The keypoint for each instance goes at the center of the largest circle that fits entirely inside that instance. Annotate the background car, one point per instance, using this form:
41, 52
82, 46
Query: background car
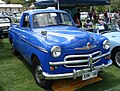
5, 23
112, 32
83, 15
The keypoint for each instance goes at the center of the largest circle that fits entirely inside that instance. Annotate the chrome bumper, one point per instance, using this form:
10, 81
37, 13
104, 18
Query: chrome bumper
75, 73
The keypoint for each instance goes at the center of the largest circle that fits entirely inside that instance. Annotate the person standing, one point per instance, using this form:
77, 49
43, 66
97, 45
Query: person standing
76, 19
94, 17
106, 18
88, 24
90, 14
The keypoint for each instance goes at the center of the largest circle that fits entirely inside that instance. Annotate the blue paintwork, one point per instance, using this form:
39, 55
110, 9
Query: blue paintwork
27, 41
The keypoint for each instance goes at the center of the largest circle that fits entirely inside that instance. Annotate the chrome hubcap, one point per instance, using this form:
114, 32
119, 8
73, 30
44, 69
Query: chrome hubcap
38, 73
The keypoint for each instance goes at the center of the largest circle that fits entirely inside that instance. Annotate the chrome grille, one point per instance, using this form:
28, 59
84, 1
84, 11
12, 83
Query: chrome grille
83, 59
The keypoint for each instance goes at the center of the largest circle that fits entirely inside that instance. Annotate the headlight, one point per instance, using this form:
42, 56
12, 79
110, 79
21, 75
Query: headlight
106, 44
55, 51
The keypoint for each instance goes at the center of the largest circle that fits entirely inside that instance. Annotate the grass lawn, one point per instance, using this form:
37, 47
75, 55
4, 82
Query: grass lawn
15, 75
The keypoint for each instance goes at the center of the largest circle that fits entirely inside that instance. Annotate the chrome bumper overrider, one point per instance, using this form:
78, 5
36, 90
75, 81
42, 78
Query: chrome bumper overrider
75, 73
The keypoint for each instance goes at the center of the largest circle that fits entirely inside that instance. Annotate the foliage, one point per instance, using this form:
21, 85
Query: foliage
23, 2
27, 2
100, 9
115, 5
12, 1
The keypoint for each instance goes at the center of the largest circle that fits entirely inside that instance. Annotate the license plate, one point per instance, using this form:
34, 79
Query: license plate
89, 75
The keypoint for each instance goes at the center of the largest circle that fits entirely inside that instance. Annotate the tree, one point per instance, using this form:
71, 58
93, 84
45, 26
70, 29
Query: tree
100, 9
7, 1
115, 5
27, 3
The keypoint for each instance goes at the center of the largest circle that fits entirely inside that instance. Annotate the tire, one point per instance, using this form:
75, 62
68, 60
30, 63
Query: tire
37, 73
14, 51
116, 57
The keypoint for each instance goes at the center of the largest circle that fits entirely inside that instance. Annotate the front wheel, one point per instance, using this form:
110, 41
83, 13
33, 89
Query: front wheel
37, 73
116, 58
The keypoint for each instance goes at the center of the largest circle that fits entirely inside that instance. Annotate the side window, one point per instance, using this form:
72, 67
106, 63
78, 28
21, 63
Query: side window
66, 19
26, 22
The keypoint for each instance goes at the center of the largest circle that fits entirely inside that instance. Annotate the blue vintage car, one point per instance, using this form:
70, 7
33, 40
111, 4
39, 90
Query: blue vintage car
56, 48
112, 32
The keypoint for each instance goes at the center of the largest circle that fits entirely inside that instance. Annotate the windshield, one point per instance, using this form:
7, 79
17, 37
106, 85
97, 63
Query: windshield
108, 28
51, 19
113, 27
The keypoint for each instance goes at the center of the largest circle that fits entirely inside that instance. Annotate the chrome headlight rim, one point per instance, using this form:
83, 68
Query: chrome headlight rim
106, 44
56, 51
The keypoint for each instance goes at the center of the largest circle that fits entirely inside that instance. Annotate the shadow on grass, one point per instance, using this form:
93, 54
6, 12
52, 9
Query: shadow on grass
25, 62
28, 66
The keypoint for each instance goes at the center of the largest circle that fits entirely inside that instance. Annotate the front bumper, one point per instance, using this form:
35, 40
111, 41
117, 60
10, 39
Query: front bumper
75, 73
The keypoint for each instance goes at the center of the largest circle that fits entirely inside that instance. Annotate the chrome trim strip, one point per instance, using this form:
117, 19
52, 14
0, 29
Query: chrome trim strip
95, 58
78, 61
67, 62
85, 48
75, 73
70, 56
38, 47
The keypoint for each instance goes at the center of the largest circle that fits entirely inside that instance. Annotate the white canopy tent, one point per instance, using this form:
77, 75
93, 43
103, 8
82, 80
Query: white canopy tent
10, 7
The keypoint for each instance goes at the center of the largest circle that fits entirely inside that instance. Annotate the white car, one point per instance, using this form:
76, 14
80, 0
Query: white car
5, 23
83, 15
112, 32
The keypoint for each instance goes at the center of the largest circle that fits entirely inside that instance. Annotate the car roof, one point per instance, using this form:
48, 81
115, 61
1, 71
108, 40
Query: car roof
42, 10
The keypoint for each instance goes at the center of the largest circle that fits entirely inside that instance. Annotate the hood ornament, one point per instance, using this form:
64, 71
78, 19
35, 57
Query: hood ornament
44, 34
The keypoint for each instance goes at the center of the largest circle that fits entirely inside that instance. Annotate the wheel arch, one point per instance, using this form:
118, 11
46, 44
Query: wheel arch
32, 57
114, 50
10, 39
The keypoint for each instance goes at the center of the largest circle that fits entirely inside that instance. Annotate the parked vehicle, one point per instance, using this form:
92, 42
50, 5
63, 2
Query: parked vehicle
5, 23
56, 48
11, 15
17, 16
83, 15
112, 32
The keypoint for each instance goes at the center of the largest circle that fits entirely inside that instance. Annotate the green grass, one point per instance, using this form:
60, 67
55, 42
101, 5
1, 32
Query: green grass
16, 75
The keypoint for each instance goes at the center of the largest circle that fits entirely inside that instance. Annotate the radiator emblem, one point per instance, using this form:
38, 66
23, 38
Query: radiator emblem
87, 47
